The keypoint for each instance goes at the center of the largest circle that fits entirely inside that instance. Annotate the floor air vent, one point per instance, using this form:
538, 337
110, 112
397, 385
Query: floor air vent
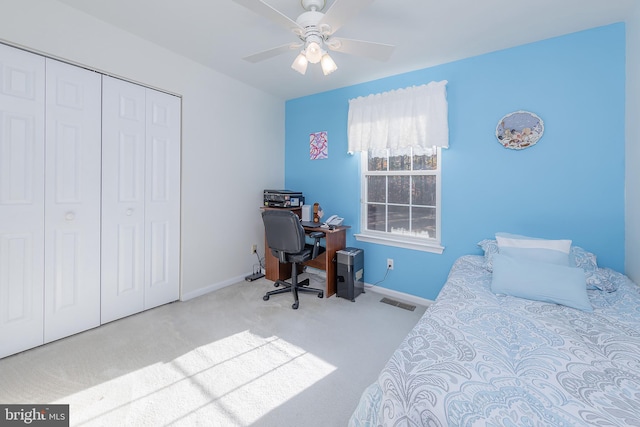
398, 304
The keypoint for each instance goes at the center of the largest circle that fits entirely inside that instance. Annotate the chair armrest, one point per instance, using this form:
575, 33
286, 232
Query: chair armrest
317, 235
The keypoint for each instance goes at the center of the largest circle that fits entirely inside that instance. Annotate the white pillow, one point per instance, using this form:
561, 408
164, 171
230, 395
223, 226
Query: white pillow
534, 249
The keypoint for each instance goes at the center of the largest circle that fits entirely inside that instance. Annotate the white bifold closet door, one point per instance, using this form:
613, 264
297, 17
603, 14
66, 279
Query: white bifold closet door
50, 117
140, 199
162, 199
72, 200
21, 200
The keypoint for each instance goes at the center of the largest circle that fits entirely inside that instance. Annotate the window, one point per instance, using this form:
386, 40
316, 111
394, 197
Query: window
400, 203
399, 135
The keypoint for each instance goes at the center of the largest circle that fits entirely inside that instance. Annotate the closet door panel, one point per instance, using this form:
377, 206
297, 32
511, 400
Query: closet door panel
123, 200
21, 200
162, 259
72, 200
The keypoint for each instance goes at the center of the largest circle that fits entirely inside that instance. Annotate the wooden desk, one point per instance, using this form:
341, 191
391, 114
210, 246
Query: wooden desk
334, 241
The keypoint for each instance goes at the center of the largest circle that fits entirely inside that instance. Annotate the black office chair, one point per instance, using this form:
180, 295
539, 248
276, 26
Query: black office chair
286, 239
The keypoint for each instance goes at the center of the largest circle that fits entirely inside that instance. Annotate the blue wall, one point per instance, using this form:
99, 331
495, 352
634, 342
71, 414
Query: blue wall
569, 185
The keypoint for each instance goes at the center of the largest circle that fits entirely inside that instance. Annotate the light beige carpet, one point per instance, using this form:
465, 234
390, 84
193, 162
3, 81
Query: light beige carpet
224, 359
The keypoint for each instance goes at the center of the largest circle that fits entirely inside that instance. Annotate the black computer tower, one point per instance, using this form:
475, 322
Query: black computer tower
349, 273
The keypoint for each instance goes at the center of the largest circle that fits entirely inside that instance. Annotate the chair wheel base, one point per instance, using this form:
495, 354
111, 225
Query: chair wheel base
266, 297
321, 295
295, 305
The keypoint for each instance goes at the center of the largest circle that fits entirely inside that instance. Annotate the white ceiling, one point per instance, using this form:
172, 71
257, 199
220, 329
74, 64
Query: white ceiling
219, 33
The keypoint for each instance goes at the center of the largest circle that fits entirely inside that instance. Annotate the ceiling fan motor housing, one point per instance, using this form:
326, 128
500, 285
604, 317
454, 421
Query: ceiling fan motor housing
309, 19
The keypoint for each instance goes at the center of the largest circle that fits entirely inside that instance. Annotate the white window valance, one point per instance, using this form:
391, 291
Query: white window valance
416, 116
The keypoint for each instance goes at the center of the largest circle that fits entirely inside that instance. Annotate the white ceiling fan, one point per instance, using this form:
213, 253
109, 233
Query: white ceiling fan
315, 30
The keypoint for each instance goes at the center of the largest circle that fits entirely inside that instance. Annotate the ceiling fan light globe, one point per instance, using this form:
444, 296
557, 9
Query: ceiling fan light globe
327, 64
300, 63
313, 52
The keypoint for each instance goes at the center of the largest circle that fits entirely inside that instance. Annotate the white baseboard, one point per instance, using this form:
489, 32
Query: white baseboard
211, 288
377, 289
398, 295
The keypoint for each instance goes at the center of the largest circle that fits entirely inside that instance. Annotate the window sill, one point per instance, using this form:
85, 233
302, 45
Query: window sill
401, 243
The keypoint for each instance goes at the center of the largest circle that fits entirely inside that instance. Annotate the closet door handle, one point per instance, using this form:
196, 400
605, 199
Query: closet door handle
129, 212
69, 216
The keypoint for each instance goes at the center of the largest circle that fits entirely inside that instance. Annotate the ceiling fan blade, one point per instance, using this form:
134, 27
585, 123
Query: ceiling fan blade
263, 9
341, 11
270, 53
377, 51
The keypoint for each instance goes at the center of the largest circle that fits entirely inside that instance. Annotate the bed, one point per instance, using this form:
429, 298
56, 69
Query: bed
481, 357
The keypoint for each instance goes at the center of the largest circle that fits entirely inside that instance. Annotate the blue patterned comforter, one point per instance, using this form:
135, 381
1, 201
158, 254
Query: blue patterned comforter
476, 358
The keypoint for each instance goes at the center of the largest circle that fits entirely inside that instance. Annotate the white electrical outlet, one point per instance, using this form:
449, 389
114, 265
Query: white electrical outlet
254, 248
389, 264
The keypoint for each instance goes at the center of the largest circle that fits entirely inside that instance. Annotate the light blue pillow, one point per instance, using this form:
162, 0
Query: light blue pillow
540, 281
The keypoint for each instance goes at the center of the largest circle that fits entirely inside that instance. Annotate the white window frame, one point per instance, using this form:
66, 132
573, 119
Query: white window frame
393, 239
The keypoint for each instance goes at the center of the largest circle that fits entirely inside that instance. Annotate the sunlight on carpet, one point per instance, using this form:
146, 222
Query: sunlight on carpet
234, 381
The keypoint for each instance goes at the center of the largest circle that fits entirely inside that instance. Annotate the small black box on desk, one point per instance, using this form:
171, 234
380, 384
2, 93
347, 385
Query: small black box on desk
349, 273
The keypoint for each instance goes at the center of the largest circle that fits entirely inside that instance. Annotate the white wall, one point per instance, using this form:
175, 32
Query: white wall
632, 154
232, 134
